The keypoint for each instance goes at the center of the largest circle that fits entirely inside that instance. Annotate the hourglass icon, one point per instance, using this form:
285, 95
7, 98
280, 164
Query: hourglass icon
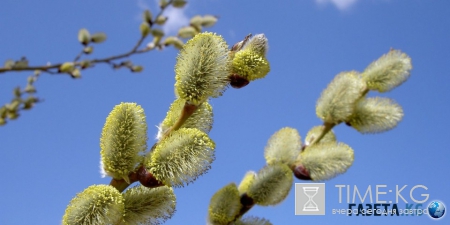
310, 204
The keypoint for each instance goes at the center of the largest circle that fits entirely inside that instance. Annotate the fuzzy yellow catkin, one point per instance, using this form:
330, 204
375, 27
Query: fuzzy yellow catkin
324, 161
283, 146
96, 205
374, 115
148, 205
224, 206
337, 101
315, 132
180, 158
271, 185
124, 137
388, 72
201, 119
258, 44
246, 182
202, 68
250, 65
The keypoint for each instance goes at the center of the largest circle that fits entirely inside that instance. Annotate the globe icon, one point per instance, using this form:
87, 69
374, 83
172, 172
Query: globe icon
436, 209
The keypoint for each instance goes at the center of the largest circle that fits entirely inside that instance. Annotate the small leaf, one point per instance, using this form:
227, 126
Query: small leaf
84, 36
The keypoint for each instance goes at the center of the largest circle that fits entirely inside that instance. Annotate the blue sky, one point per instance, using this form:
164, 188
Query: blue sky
52, 152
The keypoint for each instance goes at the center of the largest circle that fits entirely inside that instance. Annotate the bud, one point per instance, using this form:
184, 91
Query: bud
224, 206
258, 44
323, 161
75, 73
163, 3
30, 89
148, 205
136, 69
187, 32
96, 205
208, 21
161, 20
181, 157
178, 3
337, 101
388, 72
283, 147
271, 185
246, 182
85, 64
157, 33
84, 36
145, 29
202, 68
29, 102
124, 137
66, 67
98, 37
88, 50
250, 65
147, 16
196, 20
176, 42
9, 64
374, 115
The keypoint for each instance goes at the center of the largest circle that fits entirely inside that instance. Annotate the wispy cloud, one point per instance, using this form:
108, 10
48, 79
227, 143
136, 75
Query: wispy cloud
177, 18
340, 4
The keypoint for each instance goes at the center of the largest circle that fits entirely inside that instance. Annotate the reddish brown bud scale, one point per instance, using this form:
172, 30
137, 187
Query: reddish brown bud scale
237, 81
301, 173
147, 179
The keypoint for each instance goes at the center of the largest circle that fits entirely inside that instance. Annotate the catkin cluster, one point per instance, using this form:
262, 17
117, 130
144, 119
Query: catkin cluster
321, 157
183, 151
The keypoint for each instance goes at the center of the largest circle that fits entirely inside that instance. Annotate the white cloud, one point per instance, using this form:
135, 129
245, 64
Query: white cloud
177, 19
340, 4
